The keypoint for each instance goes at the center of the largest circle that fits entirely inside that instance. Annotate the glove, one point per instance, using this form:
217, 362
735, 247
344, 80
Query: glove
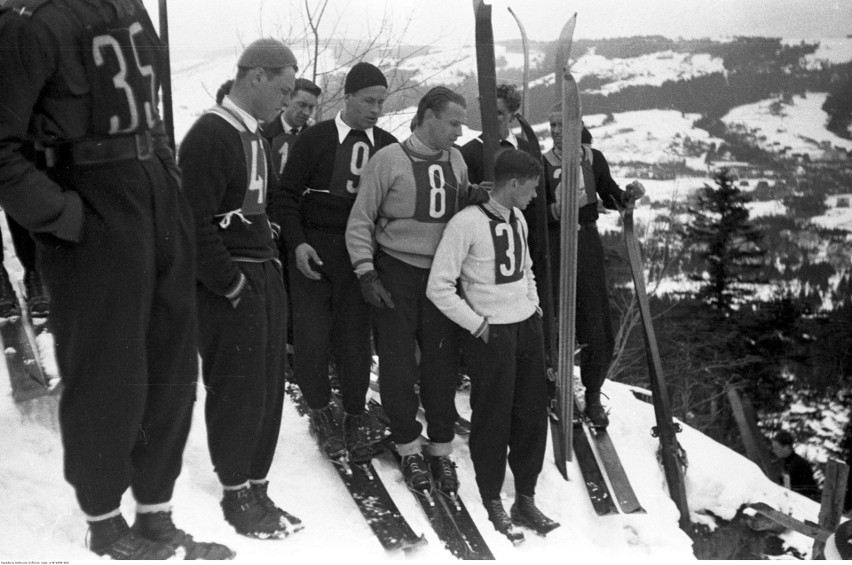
373, 291
634, 191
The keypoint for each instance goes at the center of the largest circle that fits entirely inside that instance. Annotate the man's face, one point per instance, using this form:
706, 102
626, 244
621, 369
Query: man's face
556, 129
523, 192
364, 107
445, 127
780, 451
273, 93
504, 118
302, 106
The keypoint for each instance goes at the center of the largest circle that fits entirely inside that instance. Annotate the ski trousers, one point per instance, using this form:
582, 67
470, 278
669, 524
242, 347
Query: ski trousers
508, 399
330, 321
124, 322
415, 321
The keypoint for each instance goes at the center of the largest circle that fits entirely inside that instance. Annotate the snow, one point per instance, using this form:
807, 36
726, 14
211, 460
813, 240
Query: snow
797, 127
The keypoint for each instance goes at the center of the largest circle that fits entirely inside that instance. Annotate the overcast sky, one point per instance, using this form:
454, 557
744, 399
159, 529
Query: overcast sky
220, 23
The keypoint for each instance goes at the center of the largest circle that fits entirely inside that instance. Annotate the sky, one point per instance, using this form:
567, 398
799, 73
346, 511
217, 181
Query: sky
210, 24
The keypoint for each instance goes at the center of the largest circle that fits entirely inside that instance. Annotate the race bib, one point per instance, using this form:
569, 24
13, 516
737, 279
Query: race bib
349, 162
437, 191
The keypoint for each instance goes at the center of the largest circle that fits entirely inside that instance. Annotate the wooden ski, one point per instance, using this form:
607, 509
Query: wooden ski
166, 78
525, 99
487, 80
569, 213
665, 428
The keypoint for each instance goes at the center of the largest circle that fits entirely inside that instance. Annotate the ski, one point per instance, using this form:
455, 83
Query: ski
786, 521
672, 453
525, 98
371, 496
593, 477
447, 514
22, 357
487, 82
571, 129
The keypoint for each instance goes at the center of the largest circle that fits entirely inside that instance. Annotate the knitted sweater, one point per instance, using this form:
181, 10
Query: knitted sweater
405, 219
488, 254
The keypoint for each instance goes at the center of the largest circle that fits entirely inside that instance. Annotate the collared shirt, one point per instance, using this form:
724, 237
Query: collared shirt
343, 129
288, 128
248, 120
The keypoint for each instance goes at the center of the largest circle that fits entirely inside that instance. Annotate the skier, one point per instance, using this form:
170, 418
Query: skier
796, 472
409, 191
330, 319
594, 321
485, 249
227, 171
508, 102
115, 248
282, 131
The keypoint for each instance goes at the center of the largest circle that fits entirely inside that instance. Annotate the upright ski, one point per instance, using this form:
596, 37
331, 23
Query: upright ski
487, 81
571, 128
371, 496
447, 515
665, 429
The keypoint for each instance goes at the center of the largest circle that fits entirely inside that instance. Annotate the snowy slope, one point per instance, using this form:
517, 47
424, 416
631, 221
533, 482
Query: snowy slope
41, 520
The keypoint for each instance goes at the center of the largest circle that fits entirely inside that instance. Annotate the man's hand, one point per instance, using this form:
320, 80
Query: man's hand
487, 185
373, 291
304, 255
634, 191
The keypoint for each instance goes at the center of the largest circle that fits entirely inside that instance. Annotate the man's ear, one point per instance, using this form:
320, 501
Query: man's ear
257, 75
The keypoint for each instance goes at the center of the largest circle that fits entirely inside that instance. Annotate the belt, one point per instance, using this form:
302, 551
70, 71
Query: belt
96, 152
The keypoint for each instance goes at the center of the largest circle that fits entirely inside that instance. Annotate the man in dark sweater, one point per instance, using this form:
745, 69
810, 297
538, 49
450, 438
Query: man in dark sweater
508, 102
796, 473
330, 318
282, 131
227, 168
594, 321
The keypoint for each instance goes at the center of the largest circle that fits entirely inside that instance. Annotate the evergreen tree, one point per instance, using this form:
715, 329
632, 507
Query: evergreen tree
729, 245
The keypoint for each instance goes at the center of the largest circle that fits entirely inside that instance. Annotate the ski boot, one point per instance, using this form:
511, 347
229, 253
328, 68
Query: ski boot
38, 301
325, 428
443, 471
356, 434
286, 519
502, 522
595, 412
8, 299
525, 513
416, 473
112, 539
159, 527
248, 516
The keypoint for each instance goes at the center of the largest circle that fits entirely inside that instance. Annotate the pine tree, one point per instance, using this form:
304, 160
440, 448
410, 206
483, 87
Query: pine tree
729, 245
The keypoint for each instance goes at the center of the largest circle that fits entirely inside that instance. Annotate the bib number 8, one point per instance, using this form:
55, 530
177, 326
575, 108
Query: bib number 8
437, 192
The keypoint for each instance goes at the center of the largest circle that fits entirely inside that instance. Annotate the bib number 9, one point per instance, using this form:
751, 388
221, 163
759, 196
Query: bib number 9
360, 156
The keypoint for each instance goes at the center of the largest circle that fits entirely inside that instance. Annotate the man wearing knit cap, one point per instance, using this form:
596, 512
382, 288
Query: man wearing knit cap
330, 319
242, 308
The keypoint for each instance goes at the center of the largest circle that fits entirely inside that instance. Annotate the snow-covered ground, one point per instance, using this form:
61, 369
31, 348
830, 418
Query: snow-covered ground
41, 521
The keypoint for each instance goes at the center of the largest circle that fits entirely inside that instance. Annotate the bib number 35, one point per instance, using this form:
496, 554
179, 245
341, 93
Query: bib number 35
123, 79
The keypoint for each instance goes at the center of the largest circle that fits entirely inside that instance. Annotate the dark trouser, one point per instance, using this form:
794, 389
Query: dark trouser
24, 244
415, 320
330, 319
242, 356
508, 397
124, 321
594, 320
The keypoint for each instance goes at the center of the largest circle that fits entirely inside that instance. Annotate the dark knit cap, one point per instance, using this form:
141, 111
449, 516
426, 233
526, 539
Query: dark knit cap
363, 75
267, 53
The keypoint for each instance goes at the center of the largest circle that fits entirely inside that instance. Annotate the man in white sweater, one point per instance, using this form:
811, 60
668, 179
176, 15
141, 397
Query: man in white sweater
485, 248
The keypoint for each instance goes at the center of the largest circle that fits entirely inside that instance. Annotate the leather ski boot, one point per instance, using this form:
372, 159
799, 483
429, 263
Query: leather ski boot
595, 412
159, 527
38, 301
326, 429
248, 516
525, 513
357, 437
112, 538
416, 472
443, 471
502, 522
286, 519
